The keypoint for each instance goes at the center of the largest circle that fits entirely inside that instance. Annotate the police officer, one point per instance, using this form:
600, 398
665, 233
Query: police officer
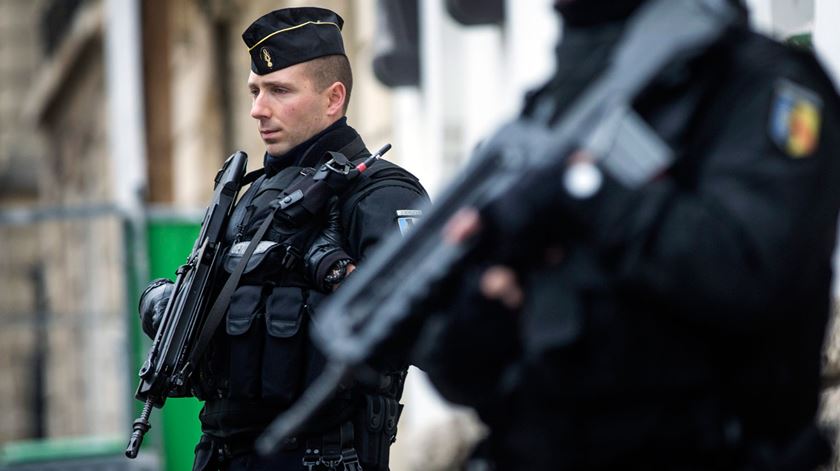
673, 326
261, 358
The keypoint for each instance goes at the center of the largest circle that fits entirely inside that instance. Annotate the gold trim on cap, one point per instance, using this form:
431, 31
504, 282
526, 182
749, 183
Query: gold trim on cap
294, 27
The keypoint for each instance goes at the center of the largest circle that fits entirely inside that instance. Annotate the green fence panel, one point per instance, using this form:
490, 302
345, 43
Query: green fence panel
170, 241
59, 449
90, 453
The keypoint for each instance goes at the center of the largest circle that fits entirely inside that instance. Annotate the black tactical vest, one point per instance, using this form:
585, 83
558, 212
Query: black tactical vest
261, 358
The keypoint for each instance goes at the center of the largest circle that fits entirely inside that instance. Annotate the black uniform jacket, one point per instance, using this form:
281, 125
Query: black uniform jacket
685, 321
262, 359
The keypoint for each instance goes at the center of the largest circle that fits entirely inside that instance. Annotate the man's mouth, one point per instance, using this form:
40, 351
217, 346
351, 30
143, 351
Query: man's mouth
268, 133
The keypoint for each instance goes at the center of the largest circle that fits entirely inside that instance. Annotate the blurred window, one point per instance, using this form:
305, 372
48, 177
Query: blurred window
476, 12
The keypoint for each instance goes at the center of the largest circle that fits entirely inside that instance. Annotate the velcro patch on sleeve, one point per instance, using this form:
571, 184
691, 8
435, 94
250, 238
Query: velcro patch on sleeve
406, 218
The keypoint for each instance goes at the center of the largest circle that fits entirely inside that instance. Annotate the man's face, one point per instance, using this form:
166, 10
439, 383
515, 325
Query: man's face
288, 108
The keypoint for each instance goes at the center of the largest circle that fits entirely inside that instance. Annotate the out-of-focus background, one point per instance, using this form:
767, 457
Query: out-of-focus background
115, 116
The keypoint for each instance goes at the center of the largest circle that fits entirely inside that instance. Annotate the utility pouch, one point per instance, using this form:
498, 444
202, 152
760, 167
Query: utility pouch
266, 342
377, 429
285, 347
268, 260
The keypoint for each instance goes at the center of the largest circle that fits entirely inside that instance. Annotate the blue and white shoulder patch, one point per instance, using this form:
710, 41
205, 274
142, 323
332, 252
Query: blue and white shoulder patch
406, 218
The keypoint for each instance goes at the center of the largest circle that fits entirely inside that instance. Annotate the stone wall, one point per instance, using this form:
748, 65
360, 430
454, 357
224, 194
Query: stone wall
80, 245
20, 149
197, 107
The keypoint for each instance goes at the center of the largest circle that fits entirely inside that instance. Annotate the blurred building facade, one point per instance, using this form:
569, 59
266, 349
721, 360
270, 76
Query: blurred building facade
18, 161
454, 71
62, 293
70, 185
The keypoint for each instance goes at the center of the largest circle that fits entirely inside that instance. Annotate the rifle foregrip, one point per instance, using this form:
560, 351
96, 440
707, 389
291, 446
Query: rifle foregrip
141, 426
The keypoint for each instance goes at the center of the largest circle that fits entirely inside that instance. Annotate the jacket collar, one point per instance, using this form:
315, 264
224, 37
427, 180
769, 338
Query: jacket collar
311, 152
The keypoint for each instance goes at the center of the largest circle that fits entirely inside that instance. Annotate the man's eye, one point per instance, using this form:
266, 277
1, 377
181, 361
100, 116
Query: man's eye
254, 92
279, 91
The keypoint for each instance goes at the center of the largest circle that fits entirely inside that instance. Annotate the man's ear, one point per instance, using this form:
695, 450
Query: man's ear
337, 95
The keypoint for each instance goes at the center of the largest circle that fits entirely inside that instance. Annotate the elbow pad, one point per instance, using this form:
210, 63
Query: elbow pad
153, 304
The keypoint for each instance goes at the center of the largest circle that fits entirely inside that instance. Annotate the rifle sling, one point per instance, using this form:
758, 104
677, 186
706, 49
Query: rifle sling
220, 305
253, 176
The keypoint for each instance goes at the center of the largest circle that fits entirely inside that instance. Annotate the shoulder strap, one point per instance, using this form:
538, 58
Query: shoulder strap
349, 150
355, 147
251, 177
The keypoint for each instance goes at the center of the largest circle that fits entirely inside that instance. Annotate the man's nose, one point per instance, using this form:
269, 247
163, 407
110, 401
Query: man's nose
258, 108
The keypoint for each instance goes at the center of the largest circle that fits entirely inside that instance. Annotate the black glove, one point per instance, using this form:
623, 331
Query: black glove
153, 304
326, 261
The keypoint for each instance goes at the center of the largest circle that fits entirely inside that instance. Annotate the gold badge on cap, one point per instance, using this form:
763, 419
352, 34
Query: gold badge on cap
266, 57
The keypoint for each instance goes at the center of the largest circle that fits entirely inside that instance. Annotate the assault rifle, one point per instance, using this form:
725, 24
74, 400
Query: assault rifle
167, 368
387, 295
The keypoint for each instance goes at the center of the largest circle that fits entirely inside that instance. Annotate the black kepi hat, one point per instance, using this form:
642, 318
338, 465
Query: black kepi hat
292, 35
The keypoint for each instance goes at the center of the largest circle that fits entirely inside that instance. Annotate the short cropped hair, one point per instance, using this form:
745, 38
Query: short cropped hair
326, 70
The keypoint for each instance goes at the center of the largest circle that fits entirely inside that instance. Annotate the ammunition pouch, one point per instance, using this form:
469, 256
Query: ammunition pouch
376, 426
365, 439
376, 421
363, 443
265, 339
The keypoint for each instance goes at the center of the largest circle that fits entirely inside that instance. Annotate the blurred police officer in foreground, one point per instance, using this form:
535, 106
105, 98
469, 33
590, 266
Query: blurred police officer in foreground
680, 323
261, 358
